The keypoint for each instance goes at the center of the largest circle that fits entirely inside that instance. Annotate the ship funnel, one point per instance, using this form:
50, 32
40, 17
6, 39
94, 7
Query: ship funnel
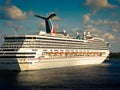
48, 23
51, 15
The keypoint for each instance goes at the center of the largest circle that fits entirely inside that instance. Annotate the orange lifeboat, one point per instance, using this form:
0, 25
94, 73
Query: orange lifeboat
80, 52
65, 52
60, 53
72, 52
50, 52
84, 52
56, 53
75, 52
91, 52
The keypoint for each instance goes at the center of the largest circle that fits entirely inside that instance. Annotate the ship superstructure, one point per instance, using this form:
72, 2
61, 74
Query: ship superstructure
51, 49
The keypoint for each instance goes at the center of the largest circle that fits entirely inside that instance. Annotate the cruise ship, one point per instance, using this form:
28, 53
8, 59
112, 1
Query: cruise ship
51, 49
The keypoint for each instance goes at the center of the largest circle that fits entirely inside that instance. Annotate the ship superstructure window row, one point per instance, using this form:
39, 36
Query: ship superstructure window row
56, 42
50, 45
16, 56
53, 41
19, 53
54, 45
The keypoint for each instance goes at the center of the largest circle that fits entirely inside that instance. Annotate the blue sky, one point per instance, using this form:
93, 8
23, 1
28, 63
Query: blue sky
100, 17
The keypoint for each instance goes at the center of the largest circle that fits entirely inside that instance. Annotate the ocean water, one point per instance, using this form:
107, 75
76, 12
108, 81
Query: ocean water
104, 76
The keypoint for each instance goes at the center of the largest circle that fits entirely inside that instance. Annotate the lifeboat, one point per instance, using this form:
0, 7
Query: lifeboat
60, 53
49, 52
75, 52
72, 52
80, 52
84, 52
56, 53
67, 52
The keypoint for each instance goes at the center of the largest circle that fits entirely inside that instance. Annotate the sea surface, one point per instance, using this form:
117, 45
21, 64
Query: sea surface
105, 76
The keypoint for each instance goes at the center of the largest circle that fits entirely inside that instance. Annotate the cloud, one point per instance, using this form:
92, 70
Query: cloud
86, 18
75, 29
114, 30
106, 35
15, 13
106, 22
113, 25
12, 12
96, 5
9, 23
14, 25
109, 36
57, 27
56, 18
19, 27
42, 24
92, 29
30, 13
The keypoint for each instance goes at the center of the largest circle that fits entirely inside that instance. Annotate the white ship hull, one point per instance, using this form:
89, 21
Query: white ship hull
35, 64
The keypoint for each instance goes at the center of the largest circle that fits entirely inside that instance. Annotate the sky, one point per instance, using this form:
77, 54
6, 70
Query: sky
100, 17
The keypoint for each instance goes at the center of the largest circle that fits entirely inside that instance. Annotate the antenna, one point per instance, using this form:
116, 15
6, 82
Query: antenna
47, 21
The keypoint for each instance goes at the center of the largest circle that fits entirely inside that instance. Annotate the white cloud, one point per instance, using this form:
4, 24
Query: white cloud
19, 27
56, 18
42, 24
113, 25
96, 5
109, 36
57, 27
15, 26
31, 13
106, 35
9, 23
106, 22
92, 29
102, 22
114, 30
86, 18
75, 29
12, 12
89, 26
